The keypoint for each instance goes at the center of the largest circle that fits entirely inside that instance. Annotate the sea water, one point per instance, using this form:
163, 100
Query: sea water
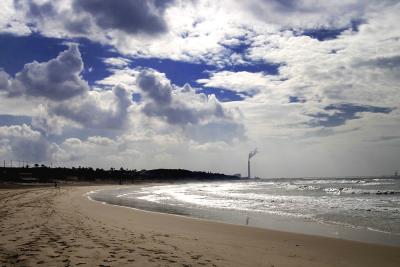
363, 209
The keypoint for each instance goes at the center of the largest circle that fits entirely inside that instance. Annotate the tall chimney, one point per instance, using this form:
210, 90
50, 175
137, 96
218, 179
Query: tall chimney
251, 154
248, 169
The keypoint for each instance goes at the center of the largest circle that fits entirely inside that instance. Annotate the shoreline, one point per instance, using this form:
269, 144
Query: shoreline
275, 222
66, 228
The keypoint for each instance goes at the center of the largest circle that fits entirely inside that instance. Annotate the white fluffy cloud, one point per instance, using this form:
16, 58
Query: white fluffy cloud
242, 81
21, 142
169, 103
58, 79
55, 83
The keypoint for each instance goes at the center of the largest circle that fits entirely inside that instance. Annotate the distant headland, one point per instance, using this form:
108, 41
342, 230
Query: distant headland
45, 174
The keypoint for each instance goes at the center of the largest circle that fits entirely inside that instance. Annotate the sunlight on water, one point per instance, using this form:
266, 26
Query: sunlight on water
372, 204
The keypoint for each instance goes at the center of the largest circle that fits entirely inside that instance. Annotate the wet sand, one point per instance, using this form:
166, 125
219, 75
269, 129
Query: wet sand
51, 227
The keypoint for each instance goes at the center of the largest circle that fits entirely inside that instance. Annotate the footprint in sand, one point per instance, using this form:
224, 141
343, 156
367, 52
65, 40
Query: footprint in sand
196, 257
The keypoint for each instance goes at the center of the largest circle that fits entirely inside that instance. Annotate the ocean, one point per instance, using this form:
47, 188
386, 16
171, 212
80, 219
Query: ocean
361, 209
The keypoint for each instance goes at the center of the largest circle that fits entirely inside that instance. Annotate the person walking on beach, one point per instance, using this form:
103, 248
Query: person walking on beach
56, 186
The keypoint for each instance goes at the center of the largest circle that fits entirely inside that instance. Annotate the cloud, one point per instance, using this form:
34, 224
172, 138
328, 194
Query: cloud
179, 106
58, 79
4, 81
12, 21
63, 94
156, 87
242, 81
388, 62
107, 109
21, 142
117, 62
217, 131
308, 14
41, 11
129, 16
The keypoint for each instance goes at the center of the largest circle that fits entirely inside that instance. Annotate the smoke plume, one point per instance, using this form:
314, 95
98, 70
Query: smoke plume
253, 153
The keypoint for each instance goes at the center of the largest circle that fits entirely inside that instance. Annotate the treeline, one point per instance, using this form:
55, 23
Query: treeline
44, 174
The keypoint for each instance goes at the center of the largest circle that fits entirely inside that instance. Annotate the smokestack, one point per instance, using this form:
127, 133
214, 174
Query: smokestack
251, 154
248, 168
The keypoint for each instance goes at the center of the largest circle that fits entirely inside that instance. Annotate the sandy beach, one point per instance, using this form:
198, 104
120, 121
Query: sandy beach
51, 227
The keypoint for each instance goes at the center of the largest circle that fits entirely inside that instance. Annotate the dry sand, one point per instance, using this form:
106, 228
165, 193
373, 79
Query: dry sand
48, 227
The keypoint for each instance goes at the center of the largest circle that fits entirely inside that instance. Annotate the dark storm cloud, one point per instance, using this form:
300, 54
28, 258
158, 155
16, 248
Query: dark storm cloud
58, 79
160, 102
343, 113
130, 16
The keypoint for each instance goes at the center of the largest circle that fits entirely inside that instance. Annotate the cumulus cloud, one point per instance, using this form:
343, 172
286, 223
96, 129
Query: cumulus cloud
11, 21
129, 16
21, 142
4, 81
155, 86
58, 79
56, 83
165, 101
97, 109
38, 10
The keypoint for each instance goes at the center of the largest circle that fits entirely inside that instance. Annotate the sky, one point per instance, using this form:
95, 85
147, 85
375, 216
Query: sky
198, 84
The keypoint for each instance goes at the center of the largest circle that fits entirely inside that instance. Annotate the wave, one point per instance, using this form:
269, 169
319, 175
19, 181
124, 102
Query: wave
353, 191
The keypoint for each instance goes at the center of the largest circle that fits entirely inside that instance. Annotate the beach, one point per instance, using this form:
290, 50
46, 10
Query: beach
62, 227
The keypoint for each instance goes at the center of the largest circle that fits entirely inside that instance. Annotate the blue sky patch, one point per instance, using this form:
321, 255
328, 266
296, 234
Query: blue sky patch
8, 120
19, 50
178, 72
329, 34
16, 51
343, 113
296, 99
223, 95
